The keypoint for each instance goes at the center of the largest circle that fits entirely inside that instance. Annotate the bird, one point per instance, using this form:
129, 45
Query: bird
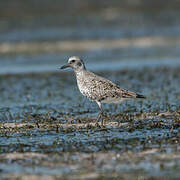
97, 88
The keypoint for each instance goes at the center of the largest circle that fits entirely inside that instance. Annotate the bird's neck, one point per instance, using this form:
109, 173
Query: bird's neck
79, 73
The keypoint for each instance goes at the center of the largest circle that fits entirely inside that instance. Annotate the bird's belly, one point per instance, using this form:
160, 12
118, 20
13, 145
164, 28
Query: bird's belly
113, 100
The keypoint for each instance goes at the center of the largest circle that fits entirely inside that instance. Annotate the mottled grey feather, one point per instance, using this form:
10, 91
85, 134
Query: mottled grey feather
100, 89
95, 87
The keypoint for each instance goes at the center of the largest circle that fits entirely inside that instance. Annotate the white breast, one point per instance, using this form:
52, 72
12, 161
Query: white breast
82, 85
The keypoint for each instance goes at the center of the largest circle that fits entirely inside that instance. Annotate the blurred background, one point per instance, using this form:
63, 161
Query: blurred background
38, 36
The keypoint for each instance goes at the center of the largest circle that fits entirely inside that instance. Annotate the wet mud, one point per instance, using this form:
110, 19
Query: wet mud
47, 127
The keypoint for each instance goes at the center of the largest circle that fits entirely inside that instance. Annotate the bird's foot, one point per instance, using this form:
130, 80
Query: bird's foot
97, 125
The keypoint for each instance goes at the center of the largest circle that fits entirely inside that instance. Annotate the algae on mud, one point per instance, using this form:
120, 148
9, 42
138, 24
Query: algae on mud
44, 125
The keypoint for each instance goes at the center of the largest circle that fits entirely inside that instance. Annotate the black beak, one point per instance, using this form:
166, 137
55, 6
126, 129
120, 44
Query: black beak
65, 66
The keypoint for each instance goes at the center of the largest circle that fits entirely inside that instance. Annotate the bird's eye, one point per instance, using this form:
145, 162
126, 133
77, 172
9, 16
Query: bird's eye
72, 61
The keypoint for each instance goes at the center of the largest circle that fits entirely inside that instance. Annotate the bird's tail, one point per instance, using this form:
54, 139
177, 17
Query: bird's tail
140, 96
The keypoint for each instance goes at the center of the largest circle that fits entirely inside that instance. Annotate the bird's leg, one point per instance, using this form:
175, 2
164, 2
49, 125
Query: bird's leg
100, 115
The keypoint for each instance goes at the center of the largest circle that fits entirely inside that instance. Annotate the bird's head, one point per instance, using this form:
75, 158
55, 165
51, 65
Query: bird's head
75, 63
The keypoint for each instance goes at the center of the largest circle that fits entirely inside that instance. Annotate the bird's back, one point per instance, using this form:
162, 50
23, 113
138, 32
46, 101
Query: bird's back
97, 88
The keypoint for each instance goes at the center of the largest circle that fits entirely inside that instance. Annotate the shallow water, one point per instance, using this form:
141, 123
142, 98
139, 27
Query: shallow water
44, 113
113, 65
47, 128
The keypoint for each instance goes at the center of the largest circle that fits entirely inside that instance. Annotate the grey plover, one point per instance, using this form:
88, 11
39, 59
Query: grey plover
97, 88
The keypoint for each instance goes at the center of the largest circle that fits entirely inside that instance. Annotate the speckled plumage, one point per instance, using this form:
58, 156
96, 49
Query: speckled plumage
97, 88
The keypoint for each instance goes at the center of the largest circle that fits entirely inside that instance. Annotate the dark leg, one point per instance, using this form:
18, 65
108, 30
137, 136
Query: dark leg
100, 115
